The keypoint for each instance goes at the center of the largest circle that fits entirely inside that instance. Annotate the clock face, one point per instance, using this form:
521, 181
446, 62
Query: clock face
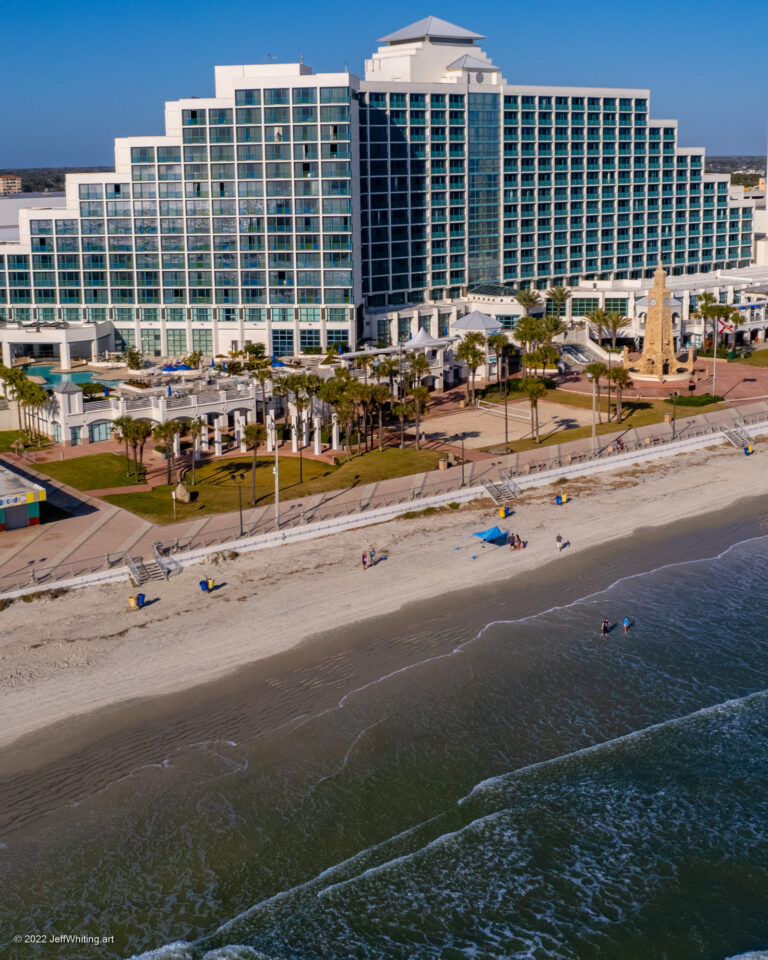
480, 78
666, 303
653, 303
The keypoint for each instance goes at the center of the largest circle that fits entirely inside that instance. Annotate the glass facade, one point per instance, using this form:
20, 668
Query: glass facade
253, 205
287, 204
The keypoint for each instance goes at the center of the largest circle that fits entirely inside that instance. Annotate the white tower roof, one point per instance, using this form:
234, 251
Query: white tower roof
431, 28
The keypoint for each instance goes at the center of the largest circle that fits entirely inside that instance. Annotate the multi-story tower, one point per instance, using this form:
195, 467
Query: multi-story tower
9, 183
293, 208
467, 179
235, 226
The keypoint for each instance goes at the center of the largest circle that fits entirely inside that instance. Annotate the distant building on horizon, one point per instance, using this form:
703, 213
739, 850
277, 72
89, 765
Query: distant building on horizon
311, 211
9, 183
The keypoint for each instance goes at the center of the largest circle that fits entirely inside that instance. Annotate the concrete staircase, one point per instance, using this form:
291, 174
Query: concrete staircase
738, 437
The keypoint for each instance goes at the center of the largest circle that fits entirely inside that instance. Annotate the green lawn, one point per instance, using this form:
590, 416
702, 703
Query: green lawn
216, 483
94, 472
758, 359
7, 437
635, 413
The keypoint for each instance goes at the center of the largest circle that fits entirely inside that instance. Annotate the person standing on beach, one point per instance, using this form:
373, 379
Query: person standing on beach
559, 543
372, 556
626, 623
604, 627
365, 561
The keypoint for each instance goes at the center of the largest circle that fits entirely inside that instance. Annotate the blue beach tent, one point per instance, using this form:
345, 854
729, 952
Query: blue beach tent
491, 535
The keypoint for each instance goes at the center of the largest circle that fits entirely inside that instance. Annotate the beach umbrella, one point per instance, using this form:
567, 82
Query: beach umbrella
213, 362
106, 390
223, 365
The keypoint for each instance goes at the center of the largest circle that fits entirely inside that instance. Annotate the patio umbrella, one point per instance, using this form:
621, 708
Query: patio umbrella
106, 390
170, 392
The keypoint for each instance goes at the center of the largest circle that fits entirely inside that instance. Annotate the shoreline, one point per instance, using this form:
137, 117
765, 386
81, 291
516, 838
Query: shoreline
81, 668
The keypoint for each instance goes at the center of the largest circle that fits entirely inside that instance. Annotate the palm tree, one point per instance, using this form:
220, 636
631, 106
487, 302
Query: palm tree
598, 319
121, 427
529, 332
255, 435
559, 297
621, 379
402, 411
166, 434
551, 327
142, 430
470, 352
613, 322
528, 299
262, 374
379, 398
534, 389
390, 368
36, 398
418, 368
706, 310
295, 384
364, 363
419, 399
195, 430
597, 371
331, 354
498, 342
346, 410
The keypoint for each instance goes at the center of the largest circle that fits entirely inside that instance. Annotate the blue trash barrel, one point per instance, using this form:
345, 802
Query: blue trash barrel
204, 586
140, 597
559, 500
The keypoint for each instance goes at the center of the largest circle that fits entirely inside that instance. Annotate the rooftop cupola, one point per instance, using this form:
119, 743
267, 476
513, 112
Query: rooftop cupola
430, 51
432, 30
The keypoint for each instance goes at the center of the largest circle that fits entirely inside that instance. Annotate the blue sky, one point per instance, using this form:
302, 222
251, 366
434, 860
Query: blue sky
80, 75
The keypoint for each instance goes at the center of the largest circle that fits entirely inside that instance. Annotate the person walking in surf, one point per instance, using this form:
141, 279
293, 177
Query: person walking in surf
605, 627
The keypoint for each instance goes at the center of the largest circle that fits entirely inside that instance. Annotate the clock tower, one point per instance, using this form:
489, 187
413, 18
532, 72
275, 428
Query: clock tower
658, 359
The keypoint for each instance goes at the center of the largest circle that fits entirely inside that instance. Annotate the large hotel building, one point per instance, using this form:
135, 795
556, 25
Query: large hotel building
307, 211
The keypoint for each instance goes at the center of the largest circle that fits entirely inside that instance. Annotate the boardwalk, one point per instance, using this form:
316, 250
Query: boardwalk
98, 533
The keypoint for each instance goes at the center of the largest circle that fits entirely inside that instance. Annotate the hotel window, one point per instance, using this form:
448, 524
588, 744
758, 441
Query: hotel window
309, 340
282, 342
247, 98
91, 191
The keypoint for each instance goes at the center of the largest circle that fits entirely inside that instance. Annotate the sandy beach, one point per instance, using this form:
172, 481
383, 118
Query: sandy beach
63, 658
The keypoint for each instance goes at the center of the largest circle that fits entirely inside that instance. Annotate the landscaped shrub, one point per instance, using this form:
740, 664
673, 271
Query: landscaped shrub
695, 400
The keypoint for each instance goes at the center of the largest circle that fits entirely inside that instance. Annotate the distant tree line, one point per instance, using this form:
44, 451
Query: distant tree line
48, 179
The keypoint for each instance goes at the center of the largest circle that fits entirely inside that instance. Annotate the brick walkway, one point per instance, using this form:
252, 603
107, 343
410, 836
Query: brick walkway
95, 528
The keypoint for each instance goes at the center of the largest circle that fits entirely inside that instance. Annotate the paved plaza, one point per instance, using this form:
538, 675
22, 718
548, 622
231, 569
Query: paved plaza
484, 427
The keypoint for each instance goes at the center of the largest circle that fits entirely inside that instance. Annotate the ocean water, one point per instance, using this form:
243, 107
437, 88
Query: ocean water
527, 790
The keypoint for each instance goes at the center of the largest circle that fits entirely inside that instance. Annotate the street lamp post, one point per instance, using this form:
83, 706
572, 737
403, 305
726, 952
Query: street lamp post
594, 412
239, 479
673, 397
506, 399
276, 472
462, 461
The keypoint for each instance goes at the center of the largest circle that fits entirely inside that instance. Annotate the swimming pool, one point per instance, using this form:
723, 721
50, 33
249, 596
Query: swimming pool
51, 379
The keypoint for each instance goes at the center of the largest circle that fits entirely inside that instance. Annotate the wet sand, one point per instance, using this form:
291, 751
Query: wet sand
78, 756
